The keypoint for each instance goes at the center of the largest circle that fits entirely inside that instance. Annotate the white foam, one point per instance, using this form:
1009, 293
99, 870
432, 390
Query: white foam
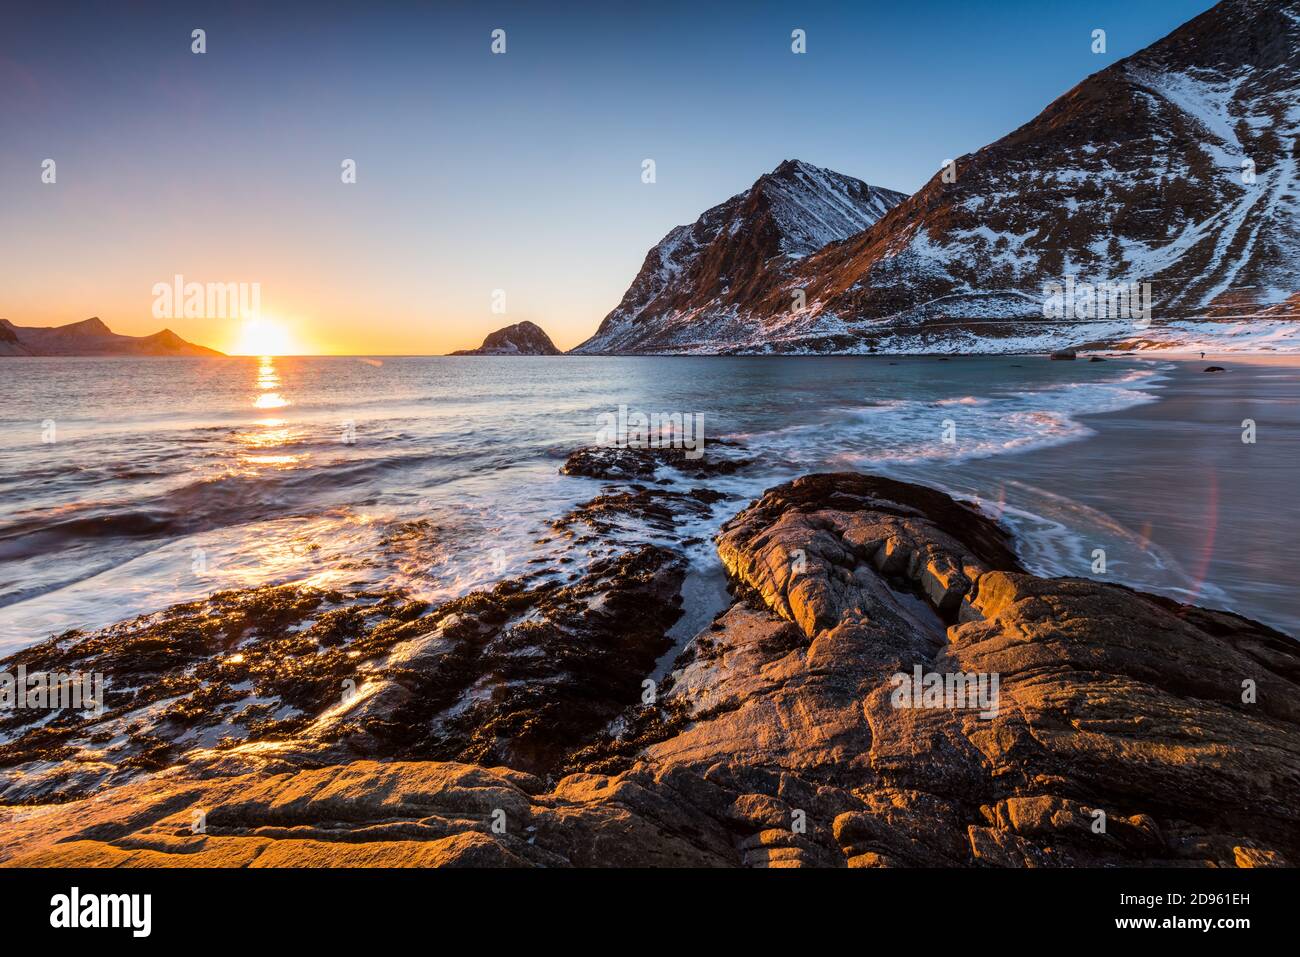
905, 432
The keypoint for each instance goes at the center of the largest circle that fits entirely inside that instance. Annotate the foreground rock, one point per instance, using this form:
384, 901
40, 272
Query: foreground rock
1127, 729
519, 675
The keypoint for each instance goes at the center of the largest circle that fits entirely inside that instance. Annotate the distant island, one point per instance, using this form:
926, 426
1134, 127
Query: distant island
91, 337
521, 339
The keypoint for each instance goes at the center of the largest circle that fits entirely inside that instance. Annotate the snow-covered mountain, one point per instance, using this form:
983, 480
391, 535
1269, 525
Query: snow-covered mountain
697, 284
1176, 167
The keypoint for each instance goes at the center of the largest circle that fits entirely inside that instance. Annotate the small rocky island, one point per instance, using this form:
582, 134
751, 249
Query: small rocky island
521, 339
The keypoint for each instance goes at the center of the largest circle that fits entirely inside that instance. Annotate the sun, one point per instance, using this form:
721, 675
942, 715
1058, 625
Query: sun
262, 337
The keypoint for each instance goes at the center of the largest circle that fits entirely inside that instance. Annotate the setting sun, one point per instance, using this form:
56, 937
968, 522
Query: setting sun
262, 337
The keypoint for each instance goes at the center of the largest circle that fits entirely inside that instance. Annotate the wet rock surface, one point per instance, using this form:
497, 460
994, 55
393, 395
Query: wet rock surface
524, 673
518, 674
719, 457
517, 727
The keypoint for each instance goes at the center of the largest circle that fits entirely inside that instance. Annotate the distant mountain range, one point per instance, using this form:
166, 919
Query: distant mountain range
521, 339
1175, 167
91, 337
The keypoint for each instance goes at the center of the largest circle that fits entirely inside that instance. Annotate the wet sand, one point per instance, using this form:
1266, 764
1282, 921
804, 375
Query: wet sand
1173, 482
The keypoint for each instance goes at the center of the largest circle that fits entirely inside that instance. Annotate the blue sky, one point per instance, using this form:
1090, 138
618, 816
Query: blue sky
475, 172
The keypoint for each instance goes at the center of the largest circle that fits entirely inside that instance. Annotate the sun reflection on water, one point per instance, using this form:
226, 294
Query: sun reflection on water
268, 382
269, 433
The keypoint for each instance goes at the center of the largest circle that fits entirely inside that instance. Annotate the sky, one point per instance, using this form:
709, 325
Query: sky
475, 172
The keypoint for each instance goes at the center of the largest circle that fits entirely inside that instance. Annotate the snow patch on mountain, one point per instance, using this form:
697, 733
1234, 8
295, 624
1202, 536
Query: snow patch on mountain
815, 207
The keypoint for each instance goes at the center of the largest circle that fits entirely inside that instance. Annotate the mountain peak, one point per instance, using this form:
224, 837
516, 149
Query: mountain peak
791, 166
737, 250
812, 207
94, 326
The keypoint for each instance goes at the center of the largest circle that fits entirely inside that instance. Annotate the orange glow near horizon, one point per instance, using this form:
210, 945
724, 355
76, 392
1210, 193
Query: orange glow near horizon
306, 329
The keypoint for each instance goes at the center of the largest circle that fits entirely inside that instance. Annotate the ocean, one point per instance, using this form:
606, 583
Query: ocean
131, 484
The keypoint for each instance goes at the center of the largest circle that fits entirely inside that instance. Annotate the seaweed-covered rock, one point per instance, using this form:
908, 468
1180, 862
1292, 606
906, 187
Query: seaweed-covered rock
718, 457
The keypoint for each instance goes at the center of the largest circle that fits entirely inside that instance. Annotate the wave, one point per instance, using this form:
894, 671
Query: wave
252, 517
912, 431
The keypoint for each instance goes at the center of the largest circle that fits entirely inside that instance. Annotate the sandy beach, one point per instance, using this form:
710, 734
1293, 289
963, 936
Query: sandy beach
1172, 482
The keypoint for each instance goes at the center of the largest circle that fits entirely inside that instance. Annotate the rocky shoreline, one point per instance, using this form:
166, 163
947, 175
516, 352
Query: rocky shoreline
522, 726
